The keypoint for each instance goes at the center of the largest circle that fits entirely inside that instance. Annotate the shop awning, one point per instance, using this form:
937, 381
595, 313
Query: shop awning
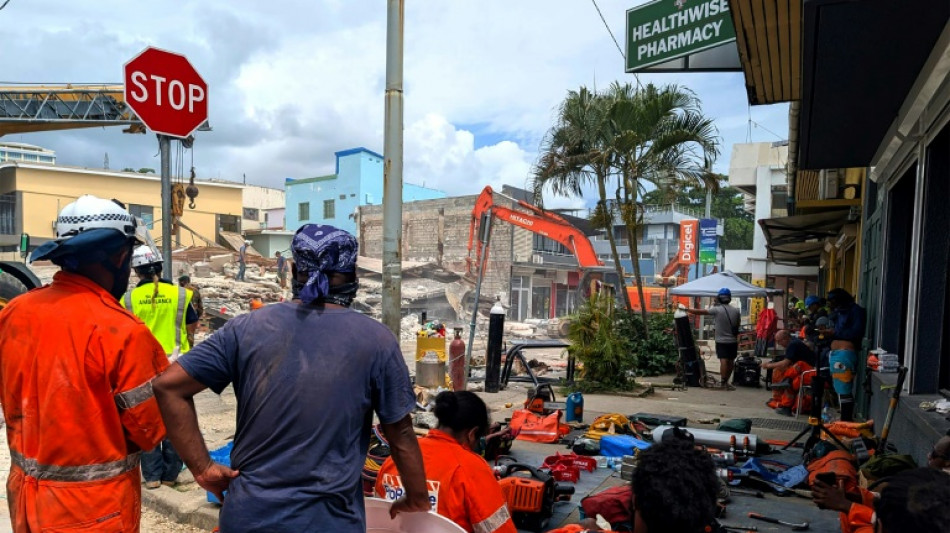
768, 35
860, 60
798, 240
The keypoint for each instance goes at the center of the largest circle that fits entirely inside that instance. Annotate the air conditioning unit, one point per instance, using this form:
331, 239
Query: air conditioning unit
828, 184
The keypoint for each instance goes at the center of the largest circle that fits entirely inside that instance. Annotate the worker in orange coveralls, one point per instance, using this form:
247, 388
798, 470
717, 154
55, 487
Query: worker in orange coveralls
787, 374
76, 390
857, 509
913, 500
462, 486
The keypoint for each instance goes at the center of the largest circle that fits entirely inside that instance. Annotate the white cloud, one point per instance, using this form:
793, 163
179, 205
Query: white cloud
292, 81
444, 157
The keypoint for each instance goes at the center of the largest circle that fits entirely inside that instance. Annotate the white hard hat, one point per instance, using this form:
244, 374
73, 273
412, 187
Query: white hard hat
144, 256
90, 212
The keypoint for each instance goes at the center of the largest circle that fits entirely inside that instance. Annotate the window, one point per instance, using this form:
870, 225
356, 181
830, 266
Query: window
303, 211
8, 213
230, 223
144, 212
342, 197
251, 213
266, 220
329, 209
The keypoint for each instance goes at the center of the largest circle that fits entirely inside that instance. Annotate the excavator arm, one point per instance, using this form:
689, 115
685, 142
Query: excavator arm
533, 219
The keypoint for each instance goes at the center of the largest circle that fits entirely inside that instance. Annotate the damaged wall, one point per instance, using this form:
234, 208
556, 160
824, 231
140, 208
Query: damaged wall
437, 231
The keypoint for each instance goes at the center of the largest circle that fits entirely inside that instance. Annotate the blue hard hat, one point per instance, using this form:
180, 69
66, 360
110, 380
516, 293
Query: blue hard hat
725, 292
811, 300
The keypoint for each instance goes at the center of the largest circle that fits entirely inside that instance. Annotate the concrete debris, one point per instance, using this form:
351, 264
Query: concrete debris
442, 294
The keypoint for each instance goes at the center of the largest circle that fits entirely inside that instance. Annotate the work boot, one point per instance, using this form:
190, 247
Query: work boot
152, 485
784, 411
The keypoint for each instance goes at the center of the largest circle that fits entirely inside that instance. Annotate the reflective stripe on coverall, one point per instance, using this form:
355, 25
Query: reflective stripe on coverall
461, 485
166, 319
75, 379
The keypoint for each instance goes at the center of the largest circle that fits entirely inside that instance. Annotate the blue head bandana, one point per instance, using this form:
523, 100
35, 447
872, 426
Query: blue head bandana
321, 249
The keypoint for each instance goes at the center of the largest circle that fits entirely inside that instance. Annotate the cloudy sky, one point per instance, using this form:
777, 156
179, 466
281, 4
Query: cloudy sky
292, 81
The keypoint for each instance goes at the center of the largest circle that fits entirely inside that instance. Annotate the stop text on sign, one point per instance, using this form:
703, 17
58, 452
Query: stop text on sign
175, 93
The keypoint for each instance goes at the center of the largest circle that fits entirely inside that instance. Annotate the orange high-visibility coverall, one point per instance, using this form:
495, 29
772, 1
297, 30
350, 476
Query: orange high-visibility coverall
461, 485
75, 376
788, 397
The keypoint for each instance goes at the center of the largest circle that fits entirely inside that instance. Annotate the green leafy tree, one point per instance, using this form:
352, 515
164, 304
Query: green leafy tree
608, 355
728, 205
658, 135
574, 155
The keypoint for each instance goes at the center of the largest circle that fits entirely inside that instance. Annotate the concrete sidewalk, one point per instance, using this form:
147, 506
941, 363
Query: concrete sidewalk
188, 504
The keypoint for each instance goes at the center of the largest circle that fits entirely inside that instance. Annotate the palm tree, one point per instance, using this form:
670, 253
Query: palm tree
575, 154
656, 134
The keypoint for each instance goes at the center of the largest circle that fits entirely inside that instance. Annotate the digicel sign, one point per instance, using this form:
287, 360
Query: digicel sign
689, 230
166, 92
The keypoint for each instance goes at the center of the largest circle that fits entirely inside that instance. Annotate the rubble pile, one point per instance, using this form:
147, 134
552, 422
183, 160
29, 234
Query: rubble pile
443, 295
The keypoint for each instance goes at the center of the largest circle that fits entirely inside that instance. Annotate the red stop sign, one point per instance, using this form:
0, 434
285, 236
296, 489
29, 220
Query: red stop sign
166, 92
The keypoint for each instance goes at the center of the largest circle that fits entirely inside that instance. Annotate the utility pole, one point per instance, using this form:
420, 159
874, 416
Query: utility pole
164, 146
708, 215
392, 169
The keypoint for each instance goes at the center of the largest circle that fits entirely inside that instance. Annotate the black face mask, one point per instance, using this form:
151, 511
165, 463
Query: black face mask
120, 274
341, 294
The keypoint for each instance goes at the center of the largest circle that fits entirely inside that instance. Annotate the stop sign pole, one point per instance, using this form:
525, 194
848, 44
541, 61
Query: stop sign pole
171, 99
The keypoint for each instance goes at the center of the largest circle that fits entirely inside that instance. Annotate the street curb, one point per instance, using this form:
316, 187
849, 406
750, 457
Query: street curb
189, 508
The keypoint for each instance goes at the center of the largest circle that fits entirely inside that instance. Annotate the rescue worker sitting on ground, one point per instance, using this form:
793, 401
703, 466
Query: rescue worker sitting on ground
857, 509
675, 488
168, 312
462, 487
788, 374
76, 376
912, 501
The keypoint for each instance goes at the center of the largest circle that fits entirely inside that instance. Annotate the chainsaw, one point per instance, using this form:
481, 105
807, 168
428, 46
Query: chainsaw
531, 495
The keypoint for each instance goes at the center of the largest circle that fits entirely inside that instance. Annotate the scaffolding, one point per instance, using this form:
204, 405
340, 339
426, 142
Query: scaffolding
33, 108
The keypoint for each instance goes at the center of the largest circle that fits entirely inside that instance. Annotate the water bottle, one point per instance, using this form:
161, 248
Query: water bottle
826, 414
575, 407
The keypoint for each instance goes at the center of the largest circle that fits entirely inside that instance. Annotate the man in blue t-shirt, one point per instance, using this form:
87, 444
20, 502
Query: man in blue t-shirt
308, 377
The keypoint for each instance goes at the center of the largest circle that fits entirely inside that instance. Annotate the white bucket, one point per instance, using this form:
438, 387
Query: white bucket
378, 520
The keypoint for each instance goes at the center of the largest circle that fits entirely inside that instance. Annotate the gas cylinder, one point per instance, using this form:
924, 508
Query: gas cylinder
575, 408
457, 361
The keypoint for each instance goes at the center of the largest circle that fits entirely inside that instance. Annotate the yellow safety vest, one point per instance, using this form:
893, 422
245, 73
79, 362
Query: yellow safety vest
166, 319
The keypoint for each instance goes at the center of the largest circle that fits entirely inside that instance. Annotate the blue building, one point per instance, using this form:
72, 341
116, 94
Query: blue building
333, 199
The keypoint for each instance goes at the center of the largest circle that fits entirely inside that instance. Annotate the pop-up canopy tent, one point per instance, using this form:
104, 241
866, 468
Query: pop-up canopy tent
710, 285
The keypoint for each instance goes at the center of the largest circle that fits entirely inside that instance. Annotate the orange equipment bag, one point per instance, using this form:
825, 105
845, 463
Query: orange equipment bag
535, 428
841, 463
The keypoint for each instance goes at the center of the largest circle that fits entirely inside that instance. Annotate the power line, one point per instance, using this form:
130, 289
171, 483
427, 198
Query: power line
4, 4
616, 42
597, 7
756, 124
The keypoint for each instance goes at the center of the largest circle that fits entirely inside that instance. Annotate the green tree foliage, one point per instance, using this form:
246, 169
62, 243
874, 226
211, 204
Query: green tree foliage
727, 205
614, 347
622, 140
608, 356
656, 349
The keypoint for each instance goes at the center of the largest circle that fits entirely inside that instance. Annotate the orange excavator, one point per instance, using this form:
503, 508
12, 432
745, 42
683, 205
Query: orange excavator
557, 228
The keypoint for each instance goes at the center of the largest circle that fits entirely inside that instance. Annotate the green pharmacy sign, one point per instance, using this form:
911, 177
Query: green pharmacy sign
664, 30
